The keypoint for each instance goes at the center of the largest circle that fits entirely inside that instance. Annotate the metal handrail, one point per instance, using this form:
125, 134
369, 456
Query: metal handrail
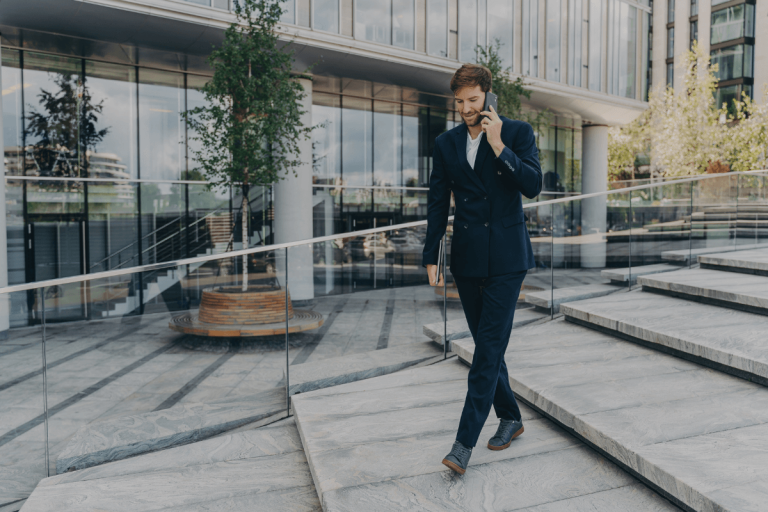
255, 250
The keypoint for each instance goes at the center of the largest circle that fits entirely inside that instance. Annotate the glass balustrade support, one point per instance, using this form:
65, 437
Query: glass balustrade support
629, 242
287, 362
45, 385
690, 230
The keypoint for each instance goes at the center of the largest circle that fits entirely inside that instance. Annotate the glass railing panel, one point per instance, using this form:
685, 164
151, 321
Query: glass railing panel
752, 222
538, 280
112, 225
714, 213
22, 409
210, 223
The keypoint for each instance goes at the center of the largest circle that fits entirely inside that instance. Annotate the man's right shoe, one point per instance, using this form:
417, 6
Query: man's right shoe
458, 459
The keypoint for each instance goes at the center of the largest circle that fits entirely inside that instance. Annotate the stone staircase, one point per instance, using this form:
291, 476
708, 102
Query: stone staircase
668, 381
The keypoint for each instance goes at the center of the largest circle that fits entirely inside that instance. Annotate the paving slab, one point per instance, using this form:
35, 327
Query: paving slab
622, 275
119, 437
727, 289
545, 299
127, 436
379, 446
458, 329
753, 261
727, 339
263, 470
699, 435
334, 371
684, 255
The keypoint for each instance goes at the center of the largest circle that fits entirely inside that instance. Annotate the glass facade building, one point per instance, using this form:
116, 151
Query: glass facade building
98, 160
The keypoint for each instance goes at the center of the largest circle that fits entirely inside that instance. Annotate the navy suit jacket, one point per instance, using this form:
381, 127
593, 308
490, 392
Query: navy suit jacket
489, 233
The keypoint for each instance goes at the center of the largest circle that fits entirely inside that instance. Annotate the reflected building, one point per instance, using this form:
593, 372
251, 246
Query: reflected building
99, 172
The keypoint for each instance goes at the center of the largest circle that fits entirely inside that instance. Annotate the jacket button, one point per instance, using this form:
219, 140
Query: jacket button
465, 199
498, 172
465, 226
485, 198
486, 224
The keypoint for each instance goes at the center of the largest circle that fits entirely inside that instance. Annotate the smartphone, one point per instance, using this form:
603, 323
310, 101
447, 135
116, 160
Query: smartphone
491, 100
440, 256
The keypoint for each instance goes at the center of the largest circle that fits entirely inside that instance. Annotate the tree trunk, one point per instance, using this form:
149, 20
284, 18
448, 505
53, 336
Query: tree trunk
245, 237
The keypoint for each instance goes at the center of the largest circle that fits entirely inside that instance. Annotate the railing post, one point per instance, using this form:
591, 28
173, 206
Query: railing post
445, 298
45, 386
552, 262
629, 239
287, 366
690, 231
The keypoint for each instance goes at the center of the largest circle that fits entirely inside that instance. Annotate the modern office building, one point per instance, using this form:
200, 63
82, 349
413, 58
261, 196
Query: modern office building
98, 174
731, 31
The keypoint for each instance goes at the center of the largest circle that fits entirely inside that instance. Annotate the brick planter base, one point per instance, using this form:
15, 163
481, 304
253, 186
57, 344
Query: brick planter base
228, 312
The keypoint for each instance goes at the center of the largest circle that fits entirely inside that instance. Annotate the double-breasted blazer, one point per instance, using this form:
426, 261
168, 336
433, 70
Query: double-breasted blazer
489, 233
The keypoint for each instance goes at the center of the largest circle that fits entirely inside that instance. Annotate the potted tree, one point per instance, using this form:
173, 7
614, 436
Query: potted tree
247, 134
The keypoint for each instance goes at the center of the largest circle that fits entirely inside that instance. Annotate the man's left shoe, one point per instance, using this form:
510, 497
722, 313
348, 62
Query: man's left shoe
507, 431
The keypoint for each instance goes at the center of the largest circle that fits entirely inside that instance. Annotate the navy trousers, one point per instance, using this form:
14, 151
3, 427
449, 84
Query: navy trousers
489, 305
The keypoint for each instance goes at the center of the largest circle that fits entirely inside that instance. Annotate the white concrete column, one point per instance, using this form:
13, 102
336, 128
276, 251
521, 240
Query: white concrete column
293, 212
4, 298
594, 212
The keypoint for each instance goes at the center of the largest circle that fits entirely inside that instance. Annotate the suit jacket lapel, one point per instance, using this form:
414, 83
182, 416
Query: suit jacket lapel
460, 141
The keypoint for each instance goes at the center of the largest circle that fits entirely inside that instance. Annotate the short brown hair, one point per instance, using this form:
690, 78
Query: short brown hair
470, 75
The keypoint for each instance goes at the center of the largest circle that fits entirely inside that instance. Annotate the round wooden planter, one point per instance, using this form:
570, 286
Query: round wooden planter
228, 312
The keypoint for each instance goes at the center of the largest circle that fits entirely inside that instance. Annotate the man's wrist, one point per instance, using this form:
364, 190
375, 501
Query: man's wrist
498, 149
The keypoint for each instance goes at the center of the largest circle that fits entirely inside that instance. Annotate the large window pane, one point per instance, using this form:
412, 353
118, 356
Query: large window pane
500, 28
553, 40
733, 62
372, 20
595, 44
289, 12
437, 27
326, 138
161, 101
531, 37
195, 98
386, 143
467, 30
574, 41
113, 88
732, 23
402, 23
12, 126
326, 15
411, 145
51, 87
356, 136
622, 49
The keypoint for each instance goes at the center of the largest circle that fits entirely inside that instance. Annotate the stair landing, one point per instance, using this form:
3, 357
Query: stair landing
377, 445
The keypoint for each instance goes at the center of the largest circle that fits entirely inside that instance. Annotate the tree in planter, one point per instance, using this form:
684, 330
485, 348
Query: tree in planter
510, 92
248, 132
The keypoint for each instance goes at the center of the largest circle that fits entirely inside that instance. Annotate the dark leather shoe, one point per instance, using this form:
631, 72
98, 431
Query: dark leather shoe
458, 459
507, 431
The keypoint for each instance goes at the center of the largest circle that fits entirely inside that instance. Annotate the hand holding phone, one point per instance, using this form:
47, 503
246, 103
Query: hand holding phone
491, 100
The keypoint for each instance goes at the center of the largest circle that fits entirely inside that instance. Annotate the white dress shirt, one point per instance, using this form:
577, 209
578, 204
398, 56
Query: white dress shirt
472, 146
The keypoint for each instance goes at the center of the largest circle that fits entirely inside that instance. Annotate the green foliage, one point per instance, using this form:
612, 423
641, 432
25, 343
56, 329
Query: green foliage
248, 132
510, 92
746, 139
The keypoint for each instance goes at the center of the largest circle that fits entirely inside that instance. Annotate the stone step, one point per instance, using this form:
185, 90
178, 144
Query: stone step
738, 291
728, 340
683, 256
378, 445
543, 299
753, 261
697, 435
458, 328
622, 275
261, 470
121, 437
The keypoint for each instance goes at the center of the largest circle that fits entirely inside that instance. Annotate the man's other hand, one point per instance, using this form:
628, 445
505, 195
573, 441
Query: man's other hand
432, 273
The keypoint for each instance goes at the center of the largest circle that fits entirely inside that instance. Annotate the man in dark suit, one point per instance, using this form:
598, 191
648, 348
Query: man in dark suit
487, 162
